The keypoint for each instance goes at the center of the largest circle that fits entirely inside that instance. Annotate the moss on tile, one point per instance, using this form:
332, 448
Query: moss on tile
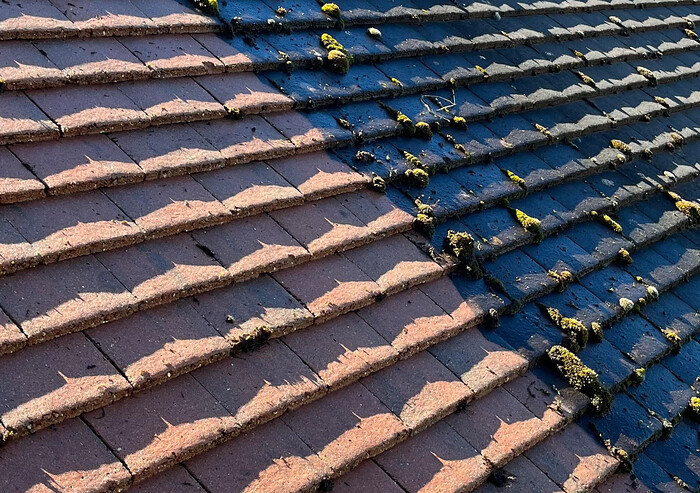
673, 337
375, 33
482, 70
626, 304
492, 319
531, 224
365, 157
573, 328
621, 146
647, 74
624, 257
254, 339
515, 179
378, 183
596, 333
581, 377
690, 209
455, 144
417, 177
544, 131
662, 101
425, 220
424, 131
690, 33
638, 376
459, 122
694, 408
585, 79
338, 59
563, 278
234, 113
608, 221
408, 127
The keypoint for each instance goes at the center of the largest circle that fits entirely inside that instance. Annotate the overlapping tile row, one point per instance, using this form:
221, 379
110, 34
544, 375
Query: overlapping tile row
225, 306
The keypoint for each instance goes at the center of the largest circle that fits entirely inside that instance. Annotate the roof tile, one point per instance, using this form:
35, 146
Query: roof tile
16, 182
173, 55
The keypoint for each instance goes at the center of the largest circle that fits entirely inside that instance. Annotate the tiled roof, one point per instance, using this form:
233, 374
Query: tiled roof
468, 263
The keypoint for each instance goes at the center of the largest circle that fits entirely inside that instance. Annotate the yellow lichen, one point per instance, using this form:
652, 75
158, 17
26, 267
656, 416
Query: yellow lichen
482, 70
652, 293
424, 224
280, 11
414, 161
332, 10
581, 377
330, 43
365, 157
531, 224
338, 62
638, 376
647, 74
690, 209
378, 183
694, 408
544, 131
460, 244
424, 131
563, 278
417, 177
626, 304
691, 34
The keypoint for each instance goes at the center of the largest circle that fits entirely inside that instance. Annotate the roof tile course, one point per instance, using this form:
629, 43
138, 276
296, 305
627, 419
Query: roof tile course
253, 312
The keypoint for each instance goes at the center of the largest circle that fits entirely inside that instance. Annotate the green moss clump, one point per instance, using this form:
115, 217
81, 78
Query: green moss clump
424, 208
585, 79
572, 327
482, 70
581, 377
424, 224
690, 209
417, 177
515, 178
624, 257
544, 131
694, 408
647, 74
330, 43
332, 10
626, 304
563, 278
414, 161
608, 221
596, 332
652, 293
531, 224
621, 146
365, 157
408, 127
460, 244
492, 319
378, 183
375, 33
424, 131
338, 62
638, 376
673, 337
459, 122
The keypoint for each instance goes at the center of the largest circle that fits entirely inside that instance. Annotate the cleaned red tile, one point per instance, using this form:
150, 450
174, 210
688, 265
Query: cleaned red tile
573, 459
377, 211
11, 338
313, 132
245, 140
76, 294
234, 60
94, 60
250, 188
329, 286
33, 19
22, 121
420, 390
355, 426
342, 350
245, 91
68, 376
82, 110
268, 458
160, 427
323, 227
499, 426
250, 246
525, 477
173, 100
173, 480
15, 252
245, 308
167, 206
465, 300
174, 16
395, 263
156, 345
115, 17
169, 150
410, 321
23, 66
17, 183
257, 386
173, 55
80, 163
319, 175
66, 458
163, 270
368, 477
436, 460
541, 399
71, 225
479, 362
